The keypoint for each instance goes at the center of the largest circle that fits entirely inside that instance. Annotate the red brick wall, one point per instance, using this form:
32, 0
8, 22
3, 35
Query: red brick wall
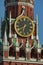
19, 9
5, 63
12, 63
16, 10
6, 54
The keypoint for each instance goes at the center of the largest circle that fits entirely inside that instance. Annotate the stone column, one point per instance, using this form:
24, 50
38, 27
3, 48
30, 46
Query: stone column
5, 46
17, 47
27, 50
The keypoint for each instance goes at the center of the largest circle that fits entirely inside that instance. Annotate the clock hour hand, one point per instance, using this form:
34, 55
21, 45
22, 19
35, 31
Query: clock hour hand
20, 28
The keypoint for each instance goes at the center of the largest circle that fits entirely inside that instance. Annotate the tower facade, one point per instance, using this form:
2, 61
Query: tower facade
22, 32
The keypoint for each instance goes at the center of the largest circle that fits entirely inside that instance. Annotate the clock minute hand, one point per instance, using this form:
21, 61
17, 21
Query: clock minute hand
22, 27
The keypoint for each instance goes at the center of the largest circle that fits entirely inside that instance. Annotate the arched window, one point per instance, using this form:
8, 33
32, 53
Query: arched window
22, 50
42, 53
34, 49
12, 51
34, 53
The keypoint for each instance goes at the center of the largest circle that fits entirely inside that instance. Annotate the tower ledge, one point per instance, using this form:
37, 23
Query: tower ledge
19, 3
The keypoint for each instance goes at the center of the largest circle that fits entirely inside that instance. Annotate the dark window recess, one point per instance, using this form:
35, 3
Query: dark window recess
22, 51
42, 54
12, 51
12, 28
16, 10
6, 14
34, 53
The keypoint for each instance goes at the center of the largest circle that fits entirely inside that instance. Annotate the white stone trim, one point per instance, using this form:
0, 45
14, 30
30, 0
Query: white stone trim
32, 59
19, 3
37, 62
39, 50
20, 58
5, 47
27, 49
11, 19
17, 49
10, 57
41, 60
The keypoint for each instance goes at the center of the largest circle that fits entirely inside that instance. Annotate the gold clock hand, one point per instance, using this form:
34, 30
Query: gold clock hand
22, 27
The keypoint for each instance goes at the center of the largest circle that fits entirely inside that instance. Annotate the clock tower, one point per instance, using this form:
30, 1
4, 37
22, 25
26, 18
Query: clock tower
19, 8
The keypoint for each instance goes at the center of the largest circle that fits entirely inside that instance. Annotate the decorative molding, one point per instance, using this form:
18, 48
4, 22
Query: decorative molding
27, 49
41, 60
39, 50
10, 57
32, 59
10, 26
19, 3
17, 49
12, 60
21, 58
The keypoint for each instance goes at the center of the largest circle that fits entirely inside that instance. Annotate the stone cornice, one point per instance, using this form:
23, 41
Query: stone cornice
19, 3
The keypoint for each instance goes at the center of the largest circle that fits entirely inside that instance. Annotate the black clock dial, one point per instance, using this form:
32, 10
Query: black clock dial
24, 26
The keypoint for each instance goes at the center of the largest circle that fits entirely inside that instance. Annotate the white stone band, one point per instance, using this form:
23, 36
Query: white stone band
19, 3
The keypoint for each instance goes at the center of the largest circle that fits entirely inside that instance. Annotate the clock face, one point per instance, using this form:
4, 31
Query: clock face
24, 26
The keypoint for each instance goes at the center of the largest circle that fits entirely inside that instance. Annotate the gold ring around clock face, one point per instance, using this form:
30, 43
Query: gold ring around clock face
24, 26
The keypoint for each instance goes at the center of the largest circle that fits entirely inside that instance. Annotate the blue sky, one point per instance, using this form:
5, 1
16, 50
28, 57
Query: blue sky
38, 9
1, 9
